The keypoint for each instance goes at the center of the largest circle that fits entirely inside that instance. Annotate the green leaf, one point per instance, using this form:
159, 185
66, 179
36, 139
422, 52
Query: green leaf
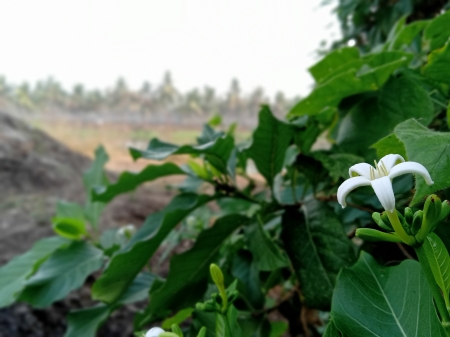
95, 176
65, 270
217, 152
128, 181
337, 164
85, 322
429, 148
129, 261
390, 144
69, 228
333, 63
406, 34
439, 261
332, 330
270, 141
266, 253
318, 249
437, 31
277, 329
189, 271
178, 318
14, 274
438, 64
376, 117
389, 301
369, 75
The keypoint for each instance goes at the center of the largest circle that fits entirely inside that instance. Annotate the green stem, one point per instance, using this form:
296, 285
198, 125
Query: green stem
395, 222
420, 251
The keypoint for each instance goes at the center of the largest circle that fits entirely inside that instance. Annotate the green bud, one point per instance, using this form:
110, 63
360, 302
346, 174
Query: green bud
417, 222
409, 215
432, 210
445, 210
176, 329
216, 275
202, 332
406, 226
369, 234
385, 219
377, 217
168, 334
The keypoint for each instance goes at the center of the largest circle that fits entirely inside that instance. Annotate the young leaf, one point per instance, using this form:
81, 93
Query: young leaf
396, 301
439, 261
128, 262
437, 67
390, 144
437, 31
128, 181
318, 249
270, 141
189, 271
65, 270
14, 274
432, 150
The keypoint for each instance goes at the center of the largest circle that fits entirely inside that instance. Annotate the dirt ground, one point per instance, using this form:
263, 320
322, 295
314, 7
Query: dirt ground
35, 172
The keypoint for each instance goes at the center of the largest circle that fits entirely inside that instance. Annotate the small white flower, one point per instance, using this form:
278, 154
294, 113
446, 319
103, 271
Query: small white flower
380, 178
154, 332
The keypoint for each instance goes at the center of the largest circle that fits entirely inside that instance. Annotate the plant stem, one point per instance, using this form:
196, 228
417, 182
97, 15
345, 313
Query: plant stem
395, 222
420, 251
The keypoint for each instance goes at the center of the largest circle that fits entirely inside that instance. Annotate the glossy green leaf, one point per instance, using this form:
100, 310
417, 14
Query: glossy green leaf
332, 330
318, 249
217, 152
65, 270
85, 322
389, 301
429, 148
438, 64
13, 275
266, 253
376, 117
189, 271
439, 262
270, 141
370, 76
390, 144
129, 261
128, 181
437, 32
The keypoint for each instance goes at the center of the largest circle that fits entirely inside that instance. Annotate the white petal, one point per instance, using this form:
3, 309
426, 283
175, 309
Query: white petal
361, 169
411, 167
154, 332
391, 160
385, 193
348, 186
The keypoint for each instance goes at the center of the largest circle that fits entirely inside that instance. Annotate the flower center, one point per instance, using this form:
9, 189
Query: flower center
379, 171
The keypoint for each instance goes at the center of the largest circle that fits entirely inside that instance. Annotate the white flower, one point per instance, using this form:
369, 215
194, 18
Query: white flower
154, 332
380, 178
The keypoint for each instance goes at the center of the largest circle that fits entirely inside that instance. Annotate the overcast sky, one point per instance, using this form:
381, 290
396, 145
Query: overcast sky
202, 42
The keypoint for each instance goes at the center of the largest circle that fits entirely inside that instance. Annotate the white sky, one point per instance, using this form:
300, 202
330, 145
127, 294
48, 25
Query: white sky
262, 43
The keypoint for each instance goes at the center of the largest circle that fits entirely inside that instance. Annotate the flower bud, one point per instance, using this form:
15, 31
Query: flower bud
445, 210
432, 211
369, 234
417, 222
154, 332
217, 275
409, 215
377, 217
406, 226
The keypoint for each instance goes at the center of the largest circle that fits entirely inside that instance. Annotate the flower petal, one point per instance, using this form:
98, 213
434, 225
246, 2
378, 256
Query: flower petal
348, 186
391, 160
411, 167
385, 193
361, 169
154, 332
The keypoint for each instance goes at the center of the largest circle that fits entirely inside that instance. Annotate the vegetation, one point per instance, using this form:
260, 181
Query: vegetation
283, 255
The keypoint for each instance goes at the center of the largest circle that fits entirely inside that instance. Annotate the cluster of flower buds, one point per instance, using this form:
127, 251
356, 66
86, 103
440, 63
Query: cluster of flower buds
417, 225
